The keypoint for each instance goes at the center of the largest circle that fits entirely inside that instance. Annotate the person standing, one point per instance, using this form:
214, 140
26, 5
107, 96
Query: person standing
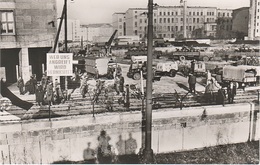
39, 93
49, 93
118, 71
104, 153
192, 66
231, 90
20, 85
116, 85
121, 84
84, 85
192, 83
44, 81
89, 155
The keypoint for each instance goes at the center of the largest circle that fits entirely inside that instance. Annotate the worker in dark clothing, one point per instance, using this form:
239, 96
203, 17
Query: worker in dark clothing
192, 83
221, 95
231, 91
192, 66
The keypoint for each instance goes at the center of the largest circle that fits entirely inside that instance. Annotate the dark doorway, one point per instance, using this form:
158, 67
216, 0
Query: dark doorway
9, 59
37, 57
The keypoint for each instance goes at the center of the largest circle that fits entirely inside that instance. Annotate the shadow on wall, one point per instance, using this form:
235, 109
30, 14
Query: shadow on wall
105, 152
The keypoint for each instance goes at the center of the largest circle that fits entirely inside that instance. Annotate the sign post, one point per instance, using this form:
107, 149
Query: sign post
59, 64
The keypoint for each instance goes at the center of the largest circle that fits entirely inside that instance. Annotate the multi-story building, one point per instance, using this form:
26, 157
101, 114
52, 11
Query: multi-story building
254, 20
73, 31
224, 23
168, 21
240, 22
95, 32
27, 33
119, 24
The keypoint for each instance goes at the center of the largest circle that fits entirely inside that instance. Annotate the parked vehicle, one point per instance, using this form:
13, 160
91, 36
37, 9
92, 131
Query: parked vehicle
242, 74
97, 66
137, 64
167, 68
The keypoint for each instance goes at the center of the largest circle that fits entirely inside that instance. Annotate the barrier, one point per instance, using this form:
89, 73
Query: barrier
66, 138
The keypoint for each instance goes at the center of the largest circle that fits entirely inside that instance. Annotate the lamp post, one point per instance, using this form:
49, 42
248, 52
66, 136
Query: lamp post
148, 152
184, 19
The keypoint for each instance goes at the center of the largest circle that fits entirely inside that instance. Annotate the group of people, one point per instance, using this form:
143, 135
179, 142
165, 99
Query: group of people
214, 90
45, 91
105, 152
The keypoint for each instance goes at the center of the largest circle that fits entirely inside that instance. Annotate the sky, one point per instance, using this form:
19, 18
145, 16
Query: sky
100, 11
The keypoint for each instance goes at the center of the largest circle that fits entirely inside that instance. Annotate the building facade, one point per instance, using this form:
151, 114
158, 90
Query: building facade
224, 24
28, 30
73, 31
118, 22
96, 32
168, 21
240, 22
254, 20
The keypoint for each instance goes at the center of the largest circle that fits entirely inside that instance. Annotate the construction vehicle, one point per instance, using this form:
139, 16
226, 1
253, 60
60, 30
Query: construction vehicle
139, 64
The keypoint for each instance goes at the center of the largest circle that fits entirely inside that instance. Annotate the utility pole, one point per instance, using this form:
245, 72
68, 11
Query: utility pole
184, 19
66, 39
148, 152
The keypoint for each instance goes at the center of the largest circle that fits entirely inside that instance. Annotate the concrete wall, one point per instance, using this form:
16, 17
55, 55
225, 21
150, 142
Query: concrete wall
31, 23
43, 141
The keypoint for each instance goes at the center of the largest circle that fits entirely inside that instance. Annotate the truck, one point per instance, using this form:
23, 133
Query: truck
242, 74
138, 64
97, 66
167, 68
197, 55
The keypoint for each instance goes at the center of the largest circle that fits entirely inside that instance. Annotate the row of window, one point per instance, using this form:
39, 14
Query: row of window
175, 20
7, 22
190, 13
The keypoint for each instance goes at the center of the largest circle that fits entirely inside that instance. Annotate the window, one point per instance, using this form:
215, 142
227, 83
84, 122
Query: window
172, 20
201, 13
120, 19
168, 13
181, 19
135, 32
164, 20
198, 13
223, 14
7, 22
135, 16
169, 28
176, 13
198, 20
193, 13
176, 19
154, 20
189, 13
120, 26
169, 20
172, 13
160, 13
135, 24
164, 13
181, 27
160, 20
176, 28
194, 20
145, 21
141, 20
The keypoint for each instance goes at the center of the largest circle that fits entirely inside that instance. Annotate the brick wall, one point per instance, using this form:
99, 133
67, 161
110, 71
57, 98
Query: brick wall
43, 141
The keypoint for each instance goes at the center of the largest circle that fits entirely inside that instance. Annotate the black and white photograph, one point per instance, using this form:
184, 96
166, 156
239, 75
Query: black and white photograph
129, 81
